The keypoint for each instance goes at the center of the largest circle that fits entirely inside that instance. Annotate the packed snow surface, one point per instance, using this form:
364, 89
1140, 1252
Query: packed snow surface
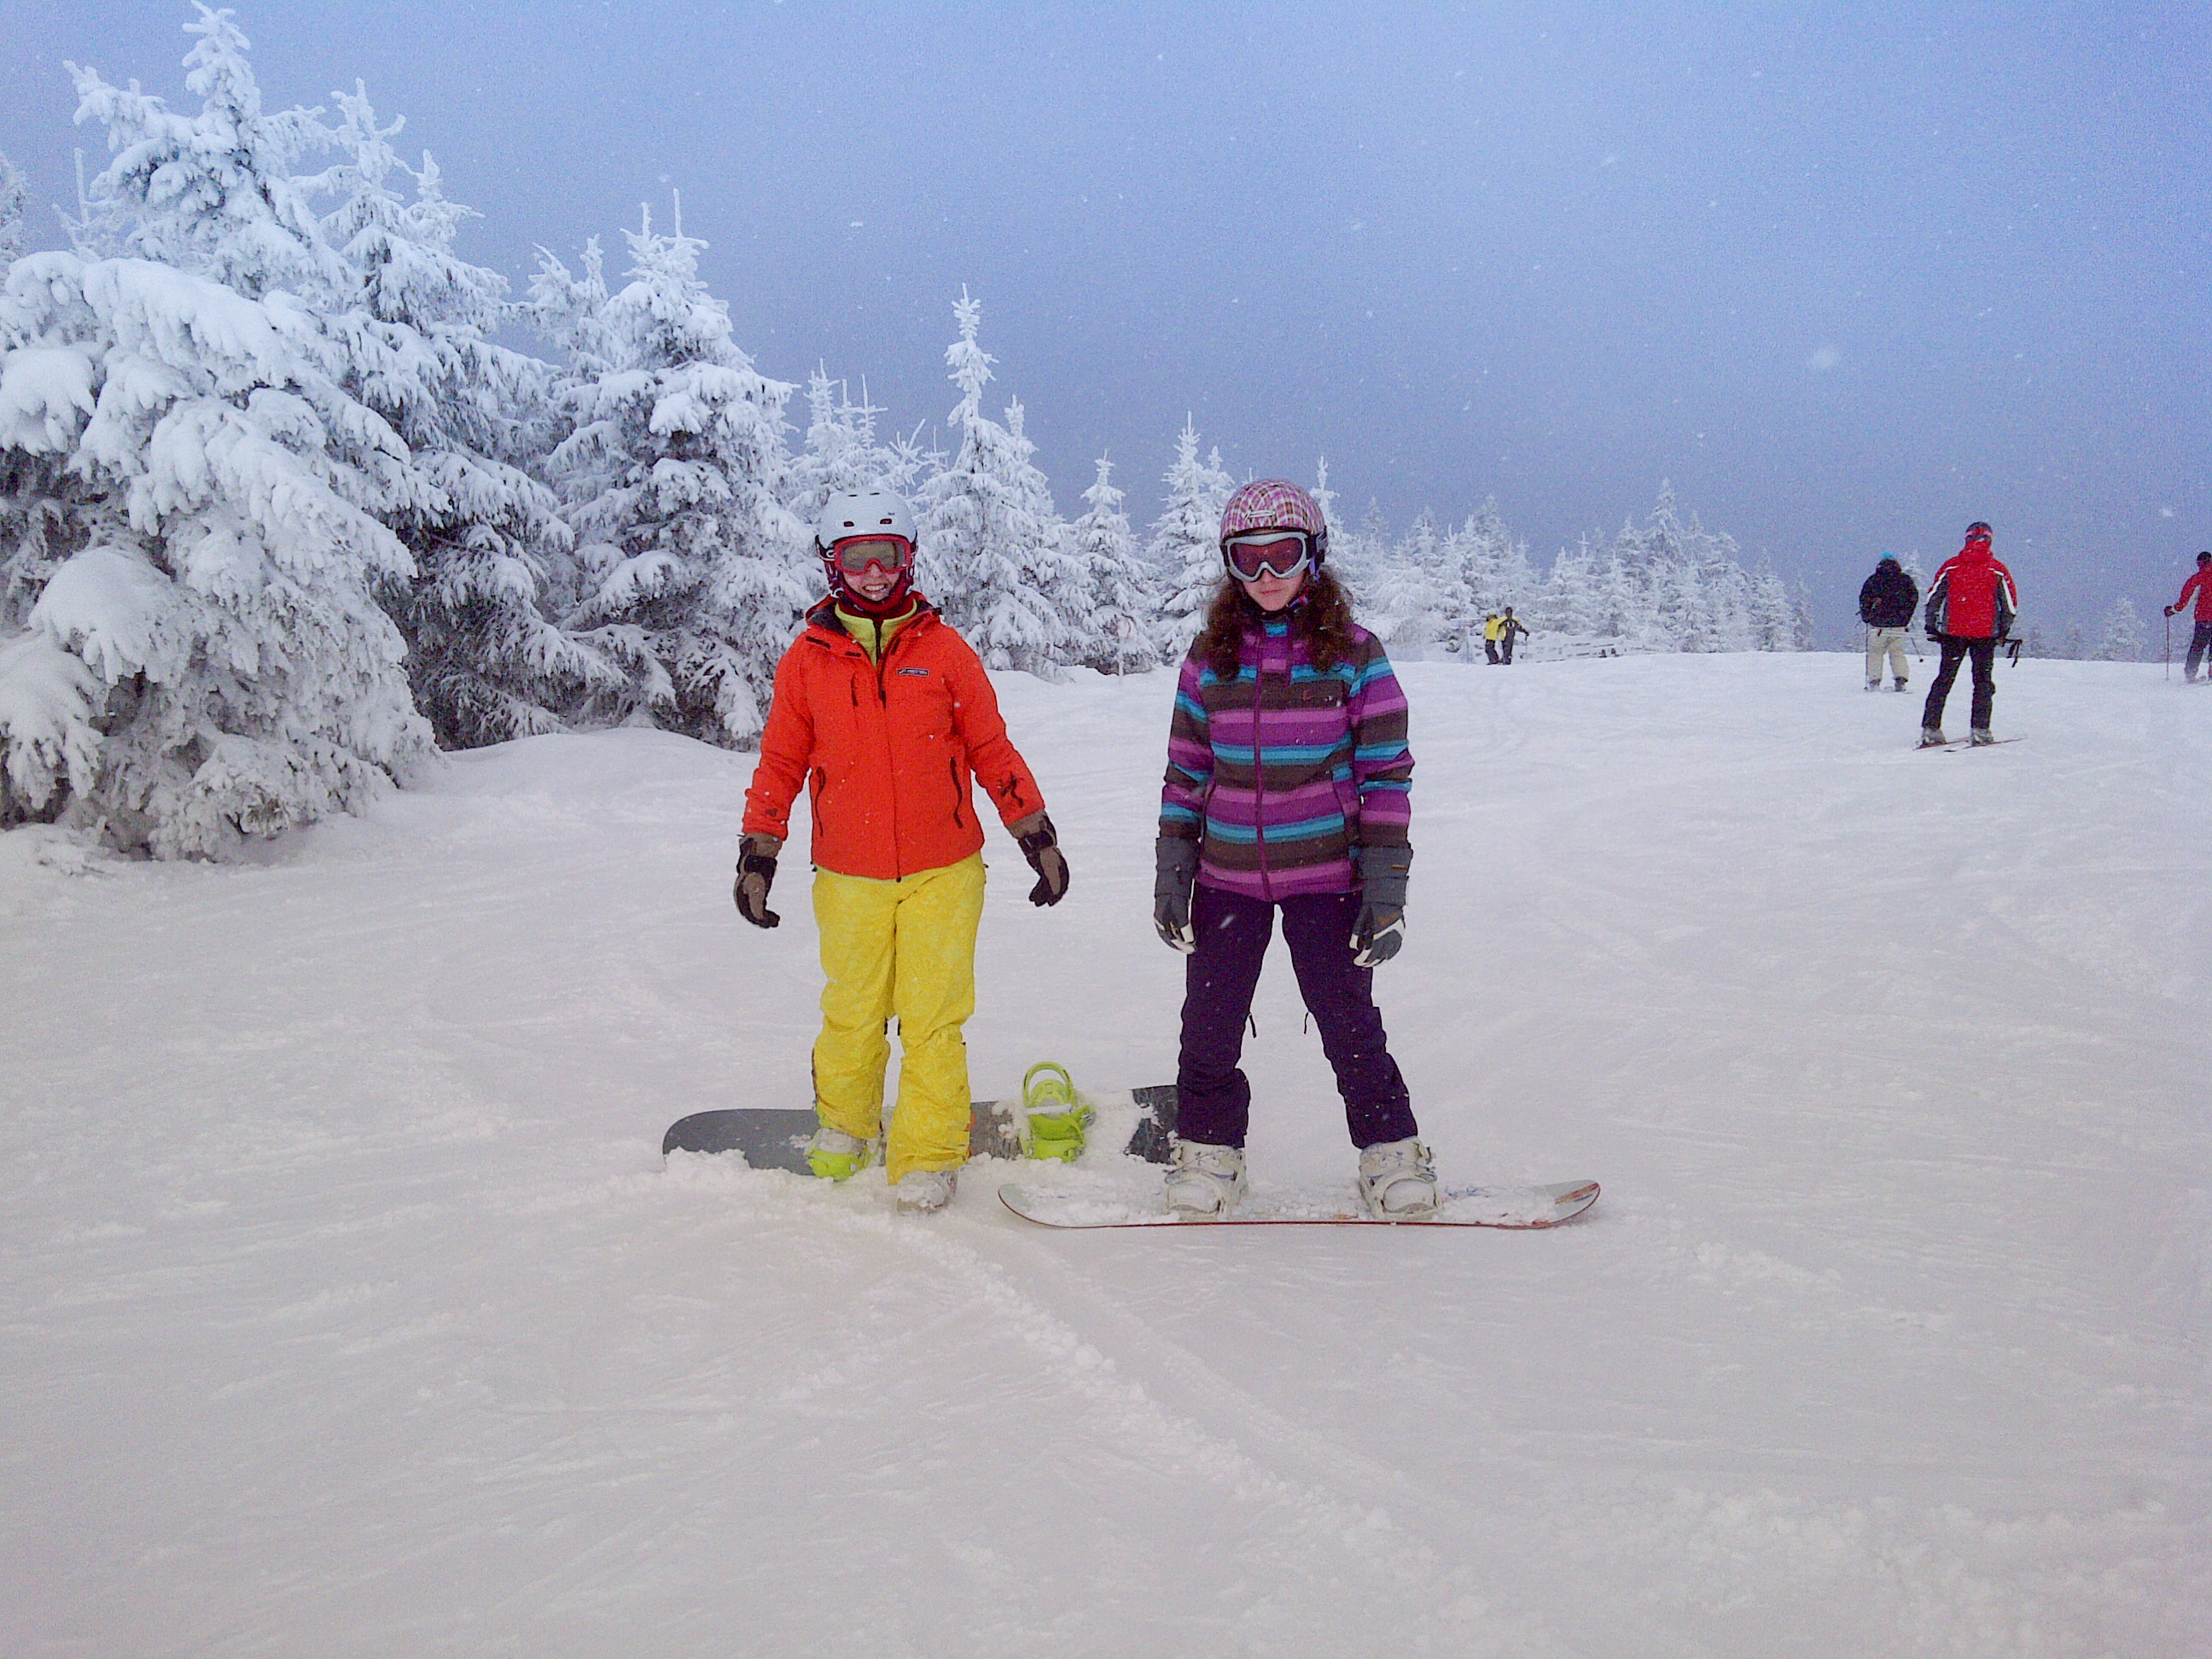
348, 1308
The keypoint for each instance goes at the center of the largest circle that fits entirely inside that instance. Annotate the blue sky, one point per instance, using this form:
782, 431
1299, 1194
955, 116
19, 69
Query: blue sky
1847, 277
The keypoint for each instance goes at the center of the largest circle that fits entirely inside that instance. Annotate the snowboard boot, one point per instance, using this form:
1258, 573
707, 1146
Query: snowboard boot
1900, 686
1931, 737
1053, 1118
835, 1156
1980, 735
1398, 1179
1205, 1180
924, 1191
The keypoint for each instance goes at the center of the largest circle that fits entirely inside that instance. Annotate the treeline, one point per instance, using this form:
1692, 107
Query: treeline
280, 515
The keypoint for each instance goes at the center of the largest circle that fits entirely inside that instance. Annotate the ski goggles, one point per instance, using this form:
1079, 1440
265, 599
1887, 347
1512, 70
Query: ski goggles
1268, 553
856, 554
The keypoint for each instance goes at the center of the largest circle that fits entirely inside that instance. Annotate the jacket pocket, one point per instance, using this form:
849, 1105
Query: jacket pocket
959, 794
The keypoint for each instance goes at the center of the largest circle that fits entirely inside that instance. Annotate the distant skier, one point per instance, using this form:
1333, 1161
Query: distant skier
1493, 625
1887, 601
1509, 628
1971, 606
2200, 639
1288, 788
885, 713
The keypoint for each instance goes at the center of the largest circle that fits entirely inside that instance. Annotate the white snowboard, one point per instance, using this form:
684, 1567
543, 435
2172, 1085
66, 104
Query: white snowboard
1050, 1206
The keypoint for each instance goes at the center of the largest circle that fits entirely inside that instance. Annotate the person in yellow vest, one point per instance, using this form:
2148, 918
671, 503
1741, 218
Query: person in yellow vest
1492, 626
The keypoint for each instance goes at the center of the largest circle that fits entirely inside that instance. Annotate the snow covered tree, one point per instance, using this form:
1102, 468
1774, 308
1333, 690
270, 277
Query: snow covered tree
674, 476
993, 554
2076, 647
14, 192
487, 538
1494, 565
842, 451
1123, 606
1185, 549
2121, 638
1419, 599
210, 495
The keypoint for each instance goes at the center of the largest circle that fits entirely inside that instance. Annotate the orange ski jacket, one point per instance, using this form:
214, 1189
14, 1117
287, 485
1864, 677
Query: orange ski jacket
886, 750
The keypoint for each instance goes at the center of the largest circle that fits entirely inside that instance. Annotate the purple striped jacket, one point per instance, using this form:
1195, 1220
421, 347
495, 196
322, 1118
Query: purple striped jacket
1280, 772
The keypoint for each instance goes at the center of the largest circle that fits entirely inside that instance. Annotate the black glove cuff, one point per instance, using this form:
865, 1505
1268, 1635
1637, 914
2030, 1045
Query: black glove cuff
1038, 839
750, 863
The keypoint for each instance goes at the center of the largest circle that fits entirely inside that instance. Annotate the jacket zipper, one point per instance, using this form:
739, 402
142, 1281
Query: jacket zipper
1259, 771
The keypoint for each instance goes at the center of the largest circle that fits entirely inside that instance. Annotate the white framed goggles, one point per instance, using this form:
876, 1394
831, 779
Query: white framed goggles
890, 553
1260, 553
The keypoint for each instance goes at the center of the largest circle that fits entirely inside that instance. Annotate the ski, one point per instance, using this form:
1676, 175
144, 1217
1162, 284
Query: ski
1966, 743
1514, 1207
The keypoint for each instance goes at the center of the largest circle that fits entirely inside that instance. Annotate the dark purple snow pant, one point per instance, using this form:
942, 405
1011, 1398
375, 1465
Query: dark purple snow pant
1213, 1098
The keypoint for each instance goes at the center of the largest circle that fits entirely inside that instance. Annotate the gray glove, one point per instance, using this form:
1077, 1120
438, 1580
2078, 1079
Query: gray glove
1381, 928
1040, 845
1175, 867
756, 871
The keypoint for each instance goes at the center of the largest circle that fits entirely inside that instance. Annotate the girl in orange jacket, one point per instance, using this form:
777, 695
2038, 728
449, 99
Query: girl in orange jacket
884, 714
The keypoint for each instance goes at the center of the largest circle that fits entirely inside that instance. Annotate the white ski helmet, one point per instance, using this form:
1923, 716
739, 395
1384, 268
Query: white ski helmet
862, 513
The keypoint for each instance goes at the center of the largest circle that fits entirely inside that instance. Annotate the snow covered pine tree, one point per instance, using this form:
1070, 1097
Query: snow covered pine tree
488, 540
210, 494
674, 475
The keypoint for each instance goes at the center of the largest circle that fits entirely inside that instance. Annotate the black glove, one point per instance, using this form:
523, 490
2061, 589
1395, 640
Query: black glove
2170, 609
755, 872
1381, 928
1175, 867
1041, 847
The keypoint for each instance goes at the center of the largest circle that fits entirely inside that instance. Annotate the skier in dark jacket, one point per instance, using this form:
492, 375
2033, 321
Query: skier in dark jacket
1887, 602
1971, 606
1510, 628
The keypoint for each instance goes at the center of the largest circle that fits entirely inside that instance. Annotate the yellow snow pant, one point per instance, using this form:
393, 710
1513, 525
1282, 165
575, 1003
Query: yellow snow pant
904, 948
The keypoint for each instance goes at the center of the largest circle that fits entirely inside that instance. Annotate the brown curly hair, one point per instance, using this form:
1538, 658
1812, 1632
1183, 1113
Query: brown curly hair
1320, 618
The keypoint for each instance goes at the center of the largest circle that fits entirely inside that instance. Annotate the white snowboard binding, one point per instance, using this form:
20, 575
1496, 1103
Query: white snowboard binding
1205, 1180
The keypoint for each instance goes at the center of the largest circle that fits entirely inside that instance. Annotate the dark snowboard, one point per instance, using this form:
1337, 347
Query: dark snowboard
772, 1138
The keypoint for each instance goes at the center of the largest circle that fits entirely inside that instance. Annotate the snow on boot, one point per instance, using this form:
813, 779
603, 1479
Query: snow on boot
1398, 1179
1931, 737
1205, 1180
1980, 735
924, 1191
835, 1156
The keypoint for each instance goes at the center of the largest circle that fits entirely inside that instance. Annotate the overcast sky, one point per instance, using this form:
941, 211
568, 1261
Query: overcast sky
1849, 277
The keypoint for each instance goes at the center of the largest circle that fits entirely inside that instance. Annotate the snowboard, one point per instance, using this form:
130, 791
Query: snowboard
1528, 1207
772, 1138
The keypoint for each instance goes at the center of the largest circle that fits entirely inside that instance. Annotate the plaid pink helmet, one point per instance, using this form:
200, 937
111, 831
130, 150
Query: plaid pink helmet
1276, 504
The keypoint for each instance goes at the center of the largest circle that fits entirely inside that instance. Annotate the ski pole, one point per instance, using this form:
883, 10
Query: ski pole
2166, 660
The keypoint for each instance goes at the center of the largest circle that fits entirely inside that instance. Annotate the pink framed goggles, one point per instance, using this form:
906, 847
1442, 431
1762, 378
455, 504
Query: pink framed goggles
890, 553
1268, 553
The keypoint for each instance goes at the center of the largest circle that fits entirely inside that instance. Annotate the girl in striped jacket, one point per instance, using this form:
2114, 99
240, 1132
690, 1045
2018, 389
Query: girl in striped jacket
1287, 788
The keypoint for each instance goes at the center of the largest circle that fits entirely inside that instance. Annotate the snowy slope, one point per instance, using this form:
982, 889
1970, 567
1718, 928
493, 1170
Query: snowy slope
348, 1309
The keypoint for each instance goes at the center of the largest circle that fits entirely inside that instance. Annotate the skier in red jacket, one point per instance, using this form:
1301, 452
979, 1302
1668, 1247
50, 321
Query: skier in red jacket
2201, 640
1971, 606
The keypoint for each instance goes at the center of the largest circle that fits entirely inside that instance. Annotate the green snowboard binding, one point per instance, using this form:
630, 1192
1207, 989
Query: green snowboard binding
1053, 1116
835, 1156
